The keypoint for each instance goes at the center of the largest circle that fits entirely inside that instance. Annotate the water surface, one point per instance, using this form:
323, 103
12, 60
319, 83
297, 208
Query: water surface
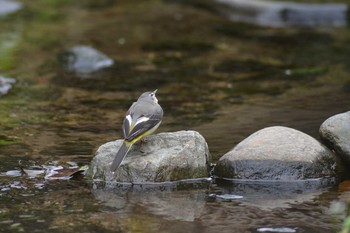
222, 78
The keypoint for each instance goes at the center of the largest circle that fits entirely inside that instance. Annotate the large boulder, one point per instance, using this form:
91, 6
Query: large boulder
160, 158
335, 133
277, 153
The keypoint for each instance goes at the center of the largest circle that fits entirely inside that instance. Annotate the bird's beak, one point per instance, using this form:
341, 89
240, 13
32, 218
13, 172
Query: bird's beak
155, 91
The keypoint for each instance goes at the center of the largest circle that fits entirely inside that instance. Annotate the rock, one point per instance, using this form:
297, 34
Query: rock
277, 153
335, 133
9, 6
6, 84
285, 14
85, 60
160, 158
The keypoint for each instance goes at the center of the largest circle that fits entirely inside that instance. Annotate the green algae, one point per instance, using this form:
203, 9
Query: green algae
4, 142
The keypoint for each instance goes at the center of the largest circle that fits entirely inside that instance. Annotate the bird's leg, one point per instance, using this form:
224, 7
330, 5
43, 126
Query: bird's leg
143, 141
139, 144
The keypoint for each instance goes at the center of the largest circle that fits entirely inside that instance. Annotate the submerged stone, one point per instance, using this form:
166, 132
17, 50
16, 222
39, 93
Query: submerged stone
277, 153
9, 6
85, 60
335, 133
6, 84
160, 158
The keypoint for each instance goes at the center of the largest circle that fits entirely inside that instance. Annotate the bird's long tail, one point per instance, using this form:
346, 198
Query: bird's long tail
123, 150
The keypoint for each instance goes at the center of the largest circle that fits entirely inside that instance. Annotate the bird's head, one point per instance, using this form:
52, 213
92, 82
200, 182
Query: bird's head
149, 95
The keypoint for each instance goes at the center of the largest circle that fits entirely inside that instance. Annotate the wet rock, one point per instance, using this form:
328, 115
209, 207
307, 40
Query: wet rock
160, 158
277, 153
6, 84
283, 14
9, 6
335, 133
85, 60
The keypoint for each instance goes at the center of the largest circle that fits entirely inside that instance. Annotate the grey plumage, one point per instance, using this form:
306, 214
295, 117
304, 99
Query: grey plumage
143, 118
123, 150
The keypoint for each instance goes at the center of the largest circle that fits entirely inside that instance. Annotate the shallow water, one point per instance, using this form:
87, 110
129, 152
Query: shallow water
224, 79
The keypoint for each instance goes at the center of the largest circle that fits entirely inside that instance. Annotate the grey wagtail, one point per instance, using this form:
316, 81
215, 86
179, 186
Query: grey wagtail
143, 118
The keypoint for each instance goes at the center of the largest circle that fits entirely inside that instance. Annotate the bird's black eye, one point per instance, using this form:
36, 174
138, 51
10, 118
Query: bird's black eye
152, 94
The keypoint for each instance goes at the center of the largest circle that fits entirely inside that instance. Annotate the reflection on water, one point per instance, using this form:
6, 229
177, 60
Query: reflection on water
214, 208
282, 14
185, 206
182, 206
269, 195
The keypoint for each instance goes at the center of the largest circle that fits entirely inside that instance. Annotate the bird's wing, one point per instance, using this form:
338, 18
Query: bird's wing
138, 121
127, 123
141, 126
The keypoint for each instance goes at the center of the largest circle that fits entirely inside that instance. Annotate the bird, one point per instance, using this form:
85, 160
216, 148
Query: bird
142, 119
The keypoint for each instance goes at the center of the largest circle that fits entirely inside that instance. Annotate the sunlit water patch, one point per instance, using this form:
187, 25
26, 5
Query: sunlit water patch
277, 229
225, 196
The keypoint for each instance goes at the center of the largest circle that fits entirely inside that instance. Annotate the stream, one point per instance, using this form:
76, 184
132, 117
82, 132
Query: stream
218, 69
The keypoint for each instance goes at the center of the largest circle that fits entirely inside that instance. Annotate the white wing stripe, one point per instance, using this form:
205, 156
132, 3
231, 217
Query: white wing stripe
128, 117
141, 119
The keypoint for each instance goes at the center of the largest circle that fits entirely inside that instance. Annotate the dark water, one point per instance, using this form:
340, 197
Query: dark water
222, 78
